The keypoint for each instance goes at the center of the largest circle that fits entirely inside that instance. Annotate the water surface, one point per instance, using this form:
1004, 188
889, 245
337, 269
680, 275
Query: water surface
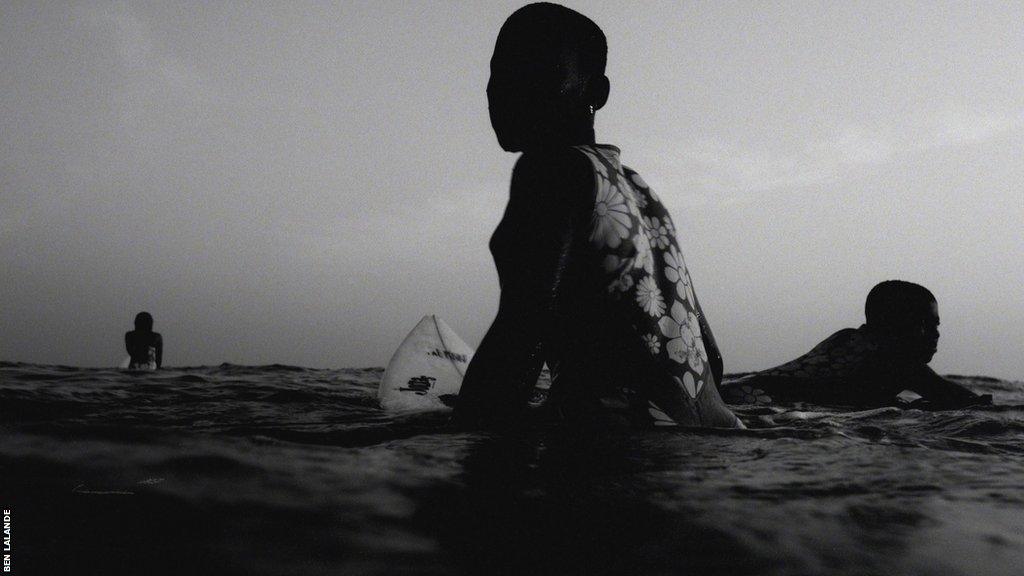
286, 470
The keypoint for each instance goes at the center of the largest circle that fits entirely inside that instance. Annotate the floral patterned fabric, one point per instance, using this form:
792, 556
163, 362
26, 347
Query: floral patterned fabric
645, 273
845, 366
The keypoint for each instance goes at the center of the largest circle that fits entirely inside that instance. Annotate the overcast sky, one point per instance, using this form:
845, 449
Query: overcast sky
300, 182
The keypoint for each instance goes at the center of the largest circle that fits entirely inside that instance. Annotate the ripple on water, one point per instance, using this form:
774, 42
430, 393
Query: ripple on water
267, 469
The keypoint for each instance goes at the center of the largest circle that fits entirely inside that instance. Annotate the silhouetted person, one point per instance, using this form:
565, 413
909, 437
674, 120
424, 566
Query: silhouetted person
145, 347
592, 279
866, 366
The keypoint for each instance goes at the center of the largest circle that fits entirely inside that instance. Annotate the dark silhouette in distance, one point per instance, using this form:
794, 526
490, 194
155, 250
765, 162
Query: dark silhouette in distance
145, 347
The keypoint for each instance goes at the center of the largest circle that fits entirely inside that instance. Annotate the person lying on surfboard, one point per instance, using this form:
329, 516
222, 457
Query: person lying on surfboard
866, 366
593, 281
145, 347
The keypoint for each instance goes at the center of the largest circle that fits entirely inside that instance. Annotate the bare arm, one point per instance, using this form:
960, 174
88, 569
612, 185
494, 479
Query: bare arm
503, 371
546, 211
938, 391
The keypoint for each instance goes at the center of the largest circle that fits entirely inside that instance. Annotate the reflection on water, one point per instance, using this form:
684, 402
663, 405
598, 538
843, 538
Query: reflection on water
275, 470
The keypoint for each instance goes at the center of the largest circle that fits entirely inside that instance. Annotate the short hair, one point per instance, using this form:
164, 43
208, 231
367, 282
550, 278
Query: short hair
553, 27
144, 321
895, 302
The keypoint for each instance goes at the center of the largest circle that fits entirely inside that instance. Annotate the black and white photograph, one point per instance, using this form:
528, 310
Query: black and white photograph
491, 287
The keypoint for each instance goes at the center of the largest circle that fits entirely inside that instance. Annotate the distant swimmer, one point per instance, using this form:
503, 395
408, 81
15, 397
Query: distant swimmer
866, 366
593, 281
145, 347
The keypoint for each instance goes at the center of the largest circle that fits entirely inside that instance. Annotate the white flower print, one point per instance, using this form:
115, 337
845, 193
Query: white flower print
692, 387
653, 343
697, 354
611, 219
639, 188
658, 232
675, 271
644, 259
688, 284
670, 228
648, 296
686, 332
689, 385
678, 327
647, 192
671, 327
641, 200
629, 197
638, 181
595, 160
639, 253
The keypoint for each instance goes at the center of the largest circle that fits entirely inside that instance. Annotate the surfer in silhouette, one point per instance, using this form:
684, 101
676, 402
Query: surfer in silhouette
592, 278
867, 366
145, 347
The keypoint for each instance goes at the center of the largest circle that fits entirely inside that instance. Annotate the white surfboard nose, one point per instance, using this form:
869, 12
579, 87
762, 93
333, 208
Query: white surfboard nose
426, 371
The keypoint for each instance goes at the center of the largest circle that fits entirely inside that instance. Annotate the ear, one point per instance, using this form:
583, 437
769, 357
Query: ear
598, 91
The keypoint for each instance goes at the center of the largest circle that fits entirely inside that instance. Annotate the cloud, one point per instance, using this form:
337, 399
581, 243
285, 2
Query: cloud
719, 168
152, 72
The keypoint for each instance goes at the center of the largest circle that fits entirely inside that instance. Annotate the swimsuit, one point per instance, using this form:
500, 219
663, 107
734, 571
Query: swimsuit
845, 368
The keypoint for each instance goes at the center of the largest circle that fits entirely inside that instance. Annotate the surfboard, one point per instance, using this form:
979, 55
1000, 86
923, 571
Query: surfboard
425, 373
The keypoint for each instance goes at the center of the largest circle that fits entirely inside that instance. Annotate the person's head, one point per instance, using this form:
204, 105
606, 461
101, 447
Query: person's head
547, 78
908, 315
144, 322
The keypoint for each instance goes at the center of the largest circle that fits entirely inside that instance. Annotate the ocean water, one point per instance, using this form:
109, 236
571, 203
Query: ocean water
286, 470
